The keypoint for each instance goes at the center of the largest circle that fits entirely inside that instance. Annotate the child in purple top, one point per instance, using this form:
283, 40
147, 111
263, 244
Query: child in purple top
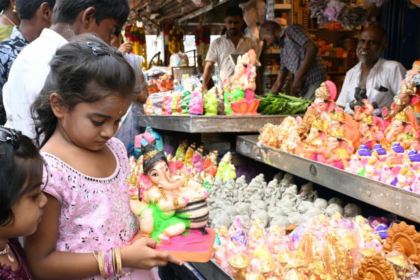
21, 200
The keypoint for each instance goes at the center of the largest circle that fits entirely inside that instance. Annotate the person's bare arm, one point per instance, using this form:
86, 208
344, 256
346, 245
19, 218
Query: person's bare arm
310, 54
208, 72
278, 85
46, 263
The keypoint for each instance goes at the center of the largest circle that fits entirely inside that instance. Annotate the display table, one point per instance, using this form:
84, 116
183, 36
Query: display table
398, 201
210, 124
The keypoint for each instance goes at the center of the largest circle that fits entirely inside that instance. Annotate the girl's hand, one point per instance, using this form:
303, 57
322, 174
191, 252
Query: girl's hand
142, 255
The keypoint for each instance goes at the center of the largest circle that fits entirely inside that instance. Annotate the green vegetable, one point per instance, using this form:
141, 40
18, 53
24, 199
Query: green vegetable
282, 104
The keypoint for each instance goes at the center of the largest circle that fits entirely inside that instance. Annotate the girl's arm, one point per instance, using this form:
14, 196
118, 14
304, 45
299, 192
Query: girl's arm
47, 263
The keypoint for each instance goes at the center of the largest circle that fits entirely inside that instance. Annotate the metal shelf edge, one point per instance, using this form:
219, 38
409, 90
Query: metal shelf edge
400, 202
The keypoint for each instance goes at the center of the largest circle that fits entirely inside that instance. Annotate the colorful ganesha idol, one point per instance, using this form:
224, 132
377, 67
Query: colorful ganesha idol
324, 100
166, 208
401, 131
240, 95
337, 150
196, 106
313, 144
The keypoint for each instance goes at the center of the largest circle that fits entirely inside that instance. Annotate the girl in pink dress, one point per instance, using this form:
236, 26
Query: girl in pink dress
88, 224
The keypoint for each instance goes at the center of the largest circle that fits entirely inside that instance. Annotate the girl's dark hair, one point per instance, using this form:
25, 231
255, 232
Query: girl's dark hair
20, 173
85, 70
149, 163
4, 4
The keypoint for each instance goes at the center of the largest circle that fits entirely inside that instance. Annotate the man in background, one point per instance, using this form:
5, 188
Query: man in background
233, 42
299, 55
380, 78
31, 68
35, 15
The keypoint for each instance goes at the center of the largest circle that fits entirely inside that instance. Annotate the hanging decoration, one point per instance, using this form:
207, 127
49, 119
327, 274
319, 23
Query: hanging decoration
137, 36
202, 42
166, 29
348, 15
176, 40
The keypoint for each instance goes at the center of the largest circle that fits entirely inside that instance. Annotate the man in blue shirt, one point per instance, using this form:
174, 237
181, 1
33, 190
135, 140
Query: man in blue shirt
298, 54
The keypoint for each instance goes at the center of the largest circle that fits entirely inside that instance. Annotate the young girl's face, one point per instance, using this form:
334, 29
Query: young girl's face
27, 212
91, 125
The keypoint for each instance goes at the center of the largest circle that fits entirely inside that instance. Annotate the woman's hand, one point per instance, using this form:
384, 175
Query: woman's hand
142, 255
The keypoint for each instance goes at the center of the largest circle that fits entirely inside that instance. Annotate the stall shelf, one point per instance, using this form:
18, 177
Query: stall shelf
398, 201
210, 270
210, 124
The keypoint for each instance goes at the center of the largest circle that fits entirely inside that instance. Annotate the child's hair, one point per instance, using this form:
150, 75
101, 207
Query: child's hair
26, 9
67, 11
85, 70
20, 171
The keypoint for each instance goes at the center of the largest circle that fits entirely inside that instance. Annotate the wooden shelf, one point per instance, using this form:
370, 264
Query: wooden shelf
272, 51
283, 6
331, 30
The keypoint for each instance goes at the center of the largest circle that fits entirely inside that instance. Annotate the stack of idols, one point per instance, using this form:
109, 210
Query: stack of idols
385, 149
237, 98
328, 248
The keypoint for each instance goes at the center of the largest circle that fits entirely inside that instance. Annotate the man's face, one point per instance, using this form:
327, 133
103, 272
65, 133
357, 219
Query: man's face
233, 25
370, 46
270, 39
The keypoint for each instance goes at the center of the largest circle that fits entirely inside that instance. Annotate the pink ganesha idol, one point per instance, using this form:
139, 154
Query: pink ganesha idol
324, 100
196, 106
167, 210
244, 78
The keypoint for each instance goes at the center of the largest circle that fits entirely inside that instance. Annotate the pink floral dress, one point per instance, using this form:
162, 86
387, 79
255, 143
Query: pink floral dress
95, 212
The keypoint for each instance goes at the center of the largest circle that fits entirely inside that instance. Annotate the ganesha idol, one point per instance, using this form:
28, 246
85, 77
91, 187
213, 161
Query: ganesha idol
404, 102
313, 144
239, 93
337, 150
401, 130
165, 207
324, 100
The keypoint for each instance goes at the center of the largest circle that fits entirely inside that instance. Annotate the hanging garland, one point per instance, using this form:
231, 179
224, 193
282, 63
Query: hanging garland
202, 42
176, 40
137, 37
166, 29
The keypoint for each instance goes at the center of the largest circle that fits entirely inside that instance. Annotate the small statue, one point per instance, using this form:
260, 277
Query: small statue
180, 152
174, 105
240, 92
186, 98
226, 169
324, 99
401, 131
337, 150
159, 197
313, 144
211, 102
404, 102
197, 160
210, 164
196, 103
189, 155
167, 105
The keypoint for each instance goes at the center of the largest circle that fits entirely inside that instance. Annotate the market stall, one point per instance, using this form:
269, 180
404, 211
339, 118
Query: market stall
298, 212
